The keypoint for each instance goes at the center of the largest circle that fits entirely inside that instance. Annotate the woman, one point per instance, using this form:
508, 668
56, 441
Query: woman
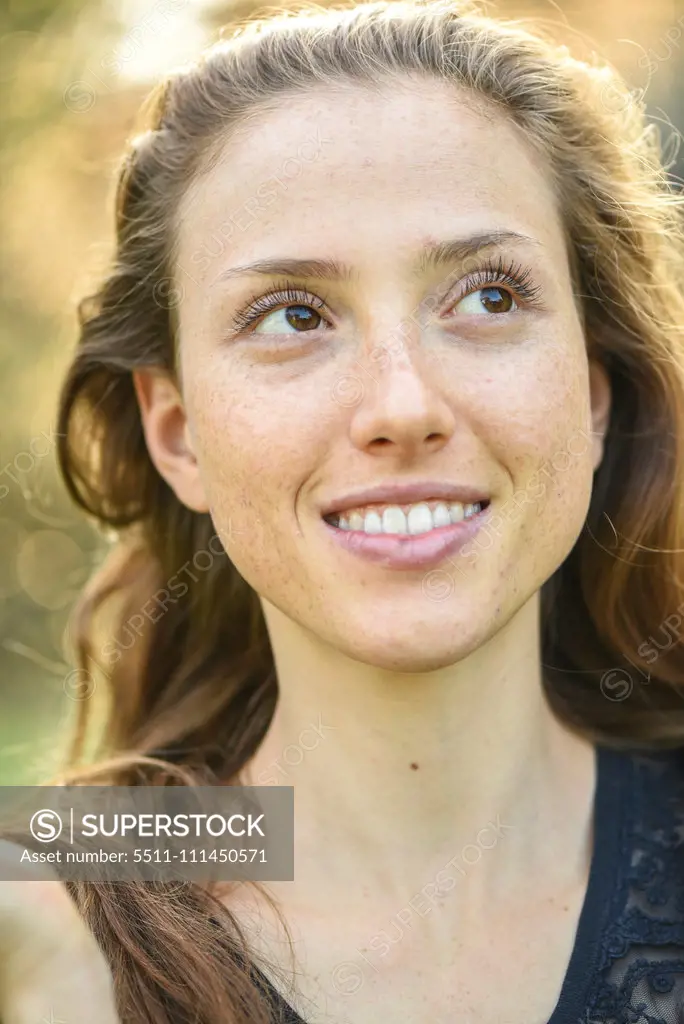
394, 332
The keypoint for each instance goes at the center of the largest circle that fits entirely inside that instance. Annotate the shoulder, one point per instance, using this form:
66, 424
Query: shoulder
651, 789
654, 842
643, 803
656, 795
641, 948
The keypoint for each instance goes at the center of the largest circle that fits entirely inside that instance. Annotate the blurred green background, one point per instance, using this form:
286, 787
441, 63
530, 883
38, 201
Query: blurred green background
74, 73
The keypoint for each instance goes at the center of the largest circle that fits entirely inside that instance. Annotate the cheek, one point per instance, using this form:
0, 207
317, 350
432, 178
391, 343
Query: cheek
544, 415
256, 444
541, 436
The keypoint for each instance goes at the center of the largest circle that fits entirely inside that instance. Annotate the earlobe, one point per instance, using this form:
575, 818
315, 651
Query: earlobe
167, 436
601, 397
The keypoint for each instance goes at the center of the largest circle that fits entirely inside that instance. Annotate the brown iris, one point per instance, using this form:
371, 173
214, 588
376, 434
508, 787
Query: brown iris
496, 300
303, 318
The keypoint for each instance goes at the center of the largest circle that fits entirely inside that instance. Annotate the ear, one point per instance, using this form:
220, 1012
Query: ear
167, 436
600, 391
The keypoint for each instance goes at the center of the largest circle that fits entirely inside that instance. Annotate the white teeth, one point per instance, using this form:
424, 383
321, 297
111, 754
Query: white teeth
372, 523
420, 518
441, 515
394, 521
457, 512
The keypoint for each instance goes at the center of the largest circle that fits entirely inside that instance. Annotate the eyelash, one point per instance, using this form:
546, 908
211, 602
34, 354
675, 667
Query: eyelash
286, 293
514, 275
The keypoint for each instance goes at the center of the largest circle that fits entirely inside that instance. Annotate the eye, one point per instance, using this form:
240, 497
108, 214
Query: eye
299, 317
487, 301
497, 288
285, 307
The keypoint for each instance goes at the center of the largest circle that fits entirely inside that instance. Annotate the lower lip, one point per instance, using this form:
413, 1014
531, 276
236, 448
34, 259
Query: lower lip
410, 551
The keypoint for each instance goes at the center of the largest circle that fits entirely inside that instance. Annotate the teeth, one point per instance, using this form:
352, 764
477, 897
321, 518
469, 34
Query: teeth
441, 515
419, 518
372, 523
394, 520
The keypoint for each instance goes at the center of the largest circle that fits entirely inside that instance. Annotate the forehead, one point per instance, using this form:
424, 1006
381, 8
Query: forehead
368, 171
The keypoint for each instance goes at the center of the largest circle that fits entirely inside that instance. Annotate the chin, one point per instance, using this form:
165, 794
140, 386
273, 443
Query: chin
411, 661
414, 647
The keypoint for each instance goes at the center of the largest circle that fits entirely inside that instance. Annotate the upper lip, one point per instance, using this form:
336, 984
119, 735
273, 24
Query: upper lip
405, 494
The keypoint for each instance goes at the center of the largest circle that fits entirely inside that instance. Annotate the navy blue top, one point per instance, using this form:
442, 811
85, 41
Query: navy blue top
627, 963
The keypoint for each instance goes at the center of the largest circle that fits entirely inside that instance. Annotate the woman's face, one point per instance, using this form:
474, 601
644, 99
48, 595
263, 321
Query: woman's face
424, 335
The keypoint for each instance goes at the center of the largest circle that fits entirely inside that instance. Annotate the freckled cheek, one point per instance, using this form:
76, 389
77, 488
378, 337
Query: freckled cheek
536, 420
255, 446
536, 429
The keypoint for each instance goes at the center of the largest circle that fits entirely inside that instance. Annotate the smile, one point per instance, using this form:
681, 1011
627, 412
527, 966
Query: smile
385, 536
405, 520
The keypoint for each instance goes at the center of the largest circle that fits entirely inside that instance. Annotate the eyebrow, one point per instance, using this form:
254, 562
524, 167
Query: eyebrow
432, 256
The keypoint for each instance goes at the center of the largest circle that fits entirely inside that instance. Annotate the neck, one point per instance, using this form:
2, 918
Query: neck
398, 772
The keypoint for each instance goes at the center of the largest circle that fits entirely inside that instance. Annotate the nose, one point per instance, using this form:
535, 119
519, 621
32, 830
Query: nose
403, 410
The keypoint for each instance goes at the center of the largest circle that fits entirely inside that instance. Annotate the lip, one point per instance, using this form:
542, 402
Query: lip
405, 494
406, 551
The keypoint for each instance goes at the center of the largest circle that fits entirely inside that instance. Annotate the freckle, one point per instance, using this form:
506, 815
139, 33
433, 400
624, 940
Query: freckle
414, 766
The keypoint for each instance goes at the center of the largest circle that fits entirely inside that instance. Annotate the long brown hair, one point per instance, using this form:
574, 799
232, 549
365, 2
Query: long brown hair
186, 655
